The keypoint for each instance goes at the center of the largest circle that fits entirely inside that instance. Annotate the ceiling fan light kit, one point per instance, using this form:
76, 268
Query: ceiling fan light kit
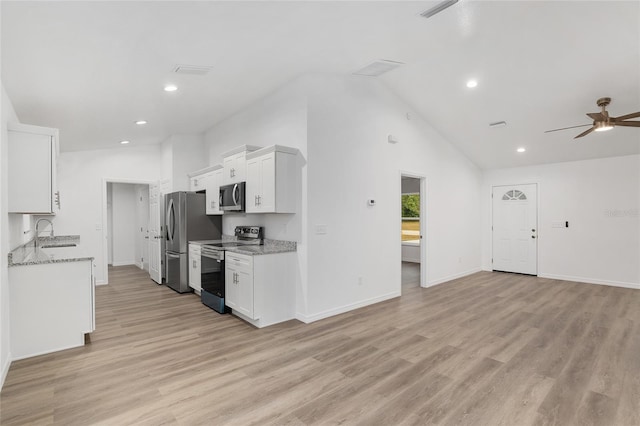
602, 126
602, 121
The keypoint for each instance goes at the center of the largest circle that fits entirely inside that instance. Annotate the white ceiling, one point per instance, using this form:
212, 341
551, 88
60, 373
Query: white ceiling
93, 68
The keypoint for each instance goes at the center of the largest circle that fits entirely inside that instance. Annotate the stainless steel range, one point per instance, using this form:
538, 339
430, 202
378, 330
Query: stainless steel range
212, 260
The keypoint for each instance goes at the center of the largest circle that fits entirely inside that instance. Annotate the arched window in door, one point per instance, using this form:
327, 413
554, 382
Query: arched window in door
514, 194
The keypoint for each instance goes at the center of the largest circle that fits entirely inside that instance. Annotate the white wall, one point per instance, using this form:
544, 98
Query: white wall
7, 114
281, 119
600, 199
182, 154
341, 127
81, 177
351, 161
124, 232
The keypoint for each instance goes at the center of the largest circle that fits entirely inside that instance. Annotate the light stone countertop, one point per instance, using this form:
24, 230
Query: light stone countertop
59, 250
269, 246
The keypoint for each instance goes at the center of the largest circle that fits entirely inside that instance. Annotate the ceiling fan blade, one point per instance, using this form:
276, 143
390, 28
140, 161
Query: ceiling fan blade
626, 117
597, 116
585, 133
627, 123
565, 128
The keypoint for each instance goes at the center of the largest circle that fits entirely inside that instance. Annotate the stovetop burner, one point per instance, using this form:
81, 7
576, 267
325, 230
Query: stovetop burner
229, 244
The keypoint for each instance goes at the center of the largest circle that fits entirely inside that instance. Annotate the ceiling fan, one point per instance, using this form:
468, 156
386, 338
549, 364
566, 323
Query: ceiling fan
602, 121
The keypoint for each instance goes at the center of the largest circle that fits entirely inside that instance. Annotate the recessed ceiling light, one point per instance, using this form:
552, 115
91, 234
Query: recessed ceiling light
141, 122
124, 142
170, 88
472, 83
521, 150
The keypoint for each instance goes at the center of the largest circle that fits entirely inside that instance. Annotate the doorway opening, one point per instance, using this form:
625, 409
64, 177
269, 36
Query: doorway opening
412, 231
125, 224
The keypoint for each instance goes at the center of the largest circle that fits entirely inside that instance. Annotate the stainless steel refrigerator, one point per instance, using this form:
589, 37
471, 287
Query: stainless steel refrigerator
185, 221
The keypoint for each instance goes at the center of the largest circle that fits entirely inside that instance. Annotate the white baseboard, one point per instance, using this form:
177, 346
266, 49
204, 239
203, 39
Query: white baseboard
124, 263
5, 370
140, 265
346, 308
101, 282
591, 281
453, 277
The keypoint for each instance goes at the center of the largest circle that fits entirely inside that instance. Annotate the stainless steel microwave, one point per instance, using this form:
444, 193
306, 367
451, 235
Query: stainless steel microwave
232, 197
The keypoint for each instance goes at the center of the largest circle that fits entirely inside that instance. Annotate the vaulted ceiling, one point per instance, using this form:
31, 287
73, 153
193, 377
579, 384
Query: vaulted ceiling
92, 69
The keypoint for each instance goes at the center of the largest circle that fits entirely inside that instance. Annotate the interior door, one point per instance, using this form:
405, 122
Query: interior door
155, 234
515, 229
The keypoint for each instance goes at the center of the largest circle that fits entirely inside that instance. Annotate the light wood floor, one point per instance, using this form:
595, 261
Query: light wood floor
489, 349
410, 275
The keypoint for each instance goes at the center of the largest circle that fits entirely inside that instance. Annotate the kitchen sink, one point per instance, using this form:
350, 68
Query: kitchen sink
58, 245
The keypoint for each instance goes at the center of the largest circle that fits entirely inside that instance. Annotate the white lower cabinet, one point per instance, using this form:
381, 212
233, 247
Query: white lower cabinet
260, 289
195, 268
52, 306
239, 284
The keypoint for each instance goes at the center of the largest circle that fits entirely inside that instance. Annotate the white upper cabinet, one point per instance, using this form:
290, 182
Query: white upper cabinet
213, 182
208, 180
272, 180
234, 164
197, 182
32, 155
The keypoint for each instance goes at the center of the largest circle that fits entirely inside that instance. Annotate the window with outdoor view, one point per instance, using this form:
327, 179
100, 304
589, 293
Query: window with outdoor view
410, 217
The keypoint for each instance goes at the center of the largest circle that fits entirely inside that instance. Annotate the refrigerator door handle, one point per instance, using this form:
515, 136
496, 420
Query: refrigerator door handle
171, 221
173, 256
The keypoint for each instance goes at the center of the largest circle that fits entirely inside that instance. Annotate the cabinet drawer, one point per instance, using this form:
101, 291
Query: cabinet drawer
239, 261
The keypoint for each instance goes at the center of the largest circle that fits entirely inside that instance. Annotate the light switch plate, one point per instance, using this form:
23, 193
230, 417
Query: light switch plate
321, 229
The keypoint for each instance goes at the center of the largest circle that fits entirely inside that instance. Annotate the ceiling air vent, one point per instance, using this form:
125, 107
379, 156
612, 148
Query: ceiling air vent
438, 8
377, 68
191, 69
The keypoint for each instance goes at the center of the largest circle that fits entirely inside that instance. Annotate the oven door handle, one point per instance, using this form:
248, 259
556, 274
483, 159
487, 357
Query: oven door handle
173, 256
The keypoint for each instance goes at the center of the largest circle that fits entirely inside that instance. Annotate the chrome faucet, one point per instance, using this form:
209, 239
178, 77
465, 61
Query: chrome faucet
35, 240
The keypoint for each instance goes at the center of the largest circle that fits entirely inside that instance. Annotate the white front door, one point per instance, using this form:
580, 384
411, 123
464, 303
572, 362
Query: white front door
515, 229
155, 234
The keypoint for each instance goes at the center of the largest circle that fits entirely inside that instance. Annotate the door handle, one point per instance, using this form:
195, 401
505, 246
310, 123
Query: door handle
235, 197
